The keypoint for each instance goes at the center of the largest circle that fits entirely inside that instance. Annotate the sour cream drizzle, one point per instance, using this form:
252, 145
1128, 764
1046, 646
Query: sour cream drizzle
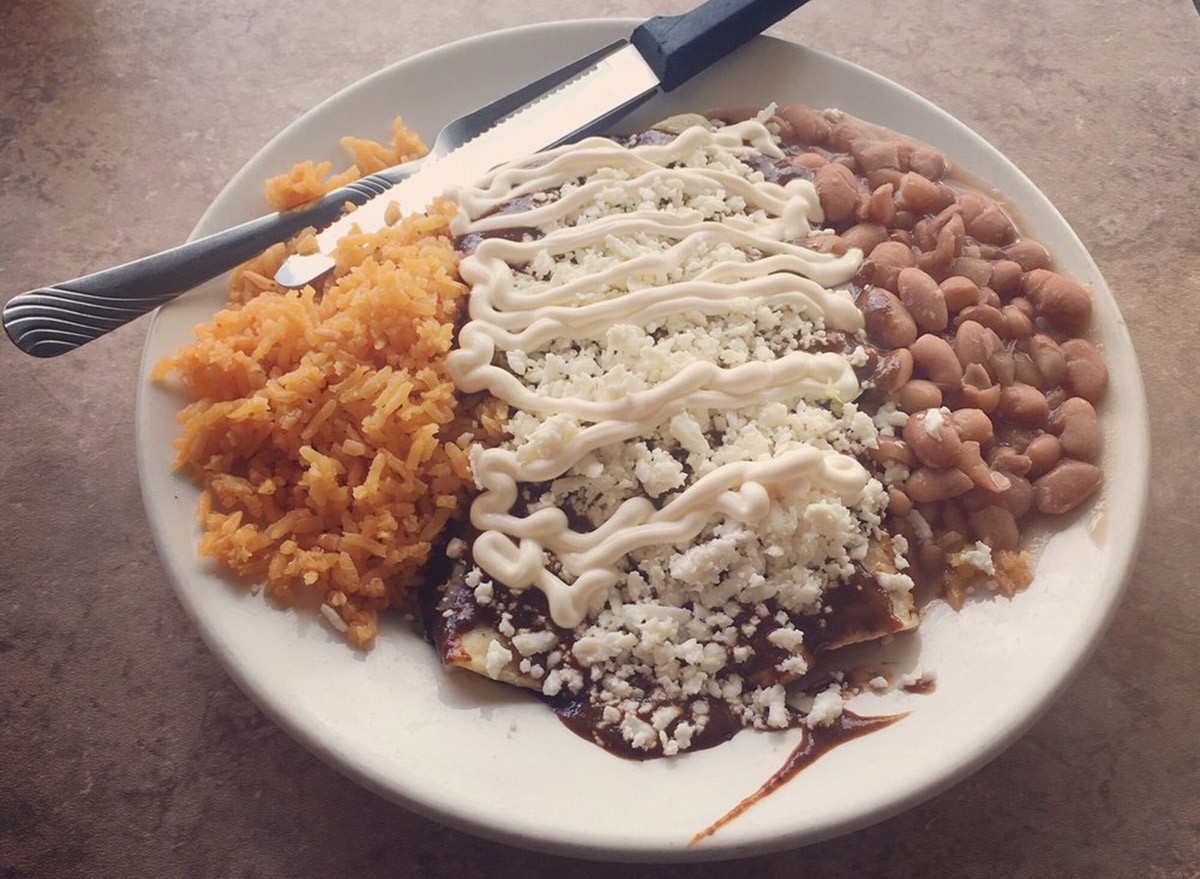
513, 549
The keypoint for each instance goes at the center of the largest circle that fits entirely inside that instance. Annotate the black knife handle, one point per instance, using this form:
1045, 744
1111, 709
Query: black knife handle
678, 47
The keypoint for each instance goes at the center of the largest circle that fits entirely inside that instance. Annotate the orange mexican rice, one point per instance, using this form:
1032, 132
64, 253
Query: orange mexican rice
324, 426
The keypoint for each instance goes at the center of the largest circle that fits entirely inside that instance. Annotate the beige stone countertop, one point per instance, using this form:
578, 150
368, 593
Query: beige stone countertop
126, 751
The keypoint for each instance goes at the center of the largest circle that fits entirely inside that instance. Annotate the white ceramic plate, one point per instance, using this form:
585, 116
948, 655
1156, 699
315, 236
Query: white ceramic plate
494, 761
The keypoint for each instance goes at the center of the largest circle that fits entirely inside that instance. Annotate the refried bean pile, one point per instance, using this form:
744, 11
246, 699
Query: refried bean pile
978, 340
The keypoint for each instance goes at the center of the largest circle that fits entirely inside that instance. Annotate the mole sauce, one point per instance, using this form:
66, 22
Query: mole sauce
814, 744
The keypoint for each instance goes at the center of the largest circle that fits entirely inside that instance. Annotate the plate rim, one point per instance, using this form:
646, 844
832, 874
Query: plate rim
275, 706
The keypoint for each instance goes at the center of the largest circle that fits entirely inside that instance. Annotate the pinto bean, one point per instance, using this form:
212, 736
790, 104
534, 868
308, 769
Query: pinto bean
932, 437
919, 194
899, 502
1066, 486
883, 177
949, 240
894, 370
805, 124
1023, 404
975, 343
959, 292
1078, 428
837, 189
1055, 397
926, 161
988, 296
1043, 453
1029, 255
1009, 460
1024, 371
931, 265
996, 527
889, 258
1018, 436
928, 484
875, 155
934, 359
865, 236
1006, 278
1020, 303
843, 133
919, 394
887, 320
925, 234
1086, 374
1019, 323
878, 207
988, 315
811, 161
1048, 357
826, 243
1065, 305
976, 375
923, 298
1003, 366
950, 237
978, 270
1018, 497
985, 219
972, 424
985, 399
894, 450
970, 462
978, 391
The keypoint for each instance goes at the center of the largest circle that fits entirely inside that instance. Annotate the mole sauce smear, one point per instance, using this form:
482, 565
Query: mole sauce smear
816, 743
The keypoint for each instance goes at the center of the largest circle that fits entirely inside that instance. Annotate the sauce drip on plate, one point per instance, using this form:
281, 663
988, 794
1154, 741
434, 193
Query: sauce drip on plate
816, 742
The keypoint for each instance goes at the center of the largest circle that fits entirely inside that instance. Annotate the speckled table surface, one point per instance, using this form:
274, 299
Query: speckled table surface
124, 748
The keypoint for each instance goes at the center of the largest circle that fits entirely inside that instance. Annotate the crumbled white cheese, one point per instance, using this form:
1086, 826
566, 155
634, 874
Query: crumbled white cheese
505, 627
531, 643
980, 556
895, 582
498, 656
484, 592
919, 677
826, 708
788, 639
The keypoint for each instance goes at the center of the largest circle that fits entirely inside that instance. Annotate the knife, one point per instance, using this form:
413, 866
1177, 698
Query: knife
580, 99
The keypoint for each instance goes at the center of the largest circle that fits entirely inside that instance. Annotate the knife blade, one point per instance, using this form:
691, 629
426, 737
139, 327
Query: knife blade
614, 84
662, 53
